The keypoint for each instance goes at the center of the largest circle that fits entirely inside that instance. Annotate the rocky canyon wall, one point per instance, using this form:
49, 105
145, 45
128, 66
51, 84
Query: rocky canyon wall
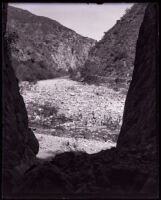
18, 142
139, 127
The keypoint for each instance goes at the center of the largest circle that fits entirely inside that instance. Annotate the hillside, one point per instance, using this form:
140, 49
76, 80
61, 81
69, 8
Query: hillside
113, 56
44, 48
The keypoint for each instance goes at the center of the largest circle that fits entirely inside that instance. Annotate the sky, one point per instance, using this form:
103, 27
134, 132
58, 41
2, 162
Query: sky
90, 20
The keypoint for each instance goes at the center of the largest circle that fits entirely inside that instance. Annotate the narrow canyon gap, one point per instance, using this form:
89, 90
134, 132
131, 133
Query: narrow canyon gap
131, 171
69, 113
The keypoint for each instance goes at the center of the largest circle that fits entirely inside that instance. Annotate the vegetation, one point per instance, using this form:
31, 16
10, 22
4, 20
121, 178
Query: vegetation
12, 39
113, 56
45, 49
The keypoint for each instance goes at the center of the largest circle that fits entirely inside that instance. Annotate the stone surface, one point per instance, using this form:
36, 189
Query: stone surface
19, 143
139, 127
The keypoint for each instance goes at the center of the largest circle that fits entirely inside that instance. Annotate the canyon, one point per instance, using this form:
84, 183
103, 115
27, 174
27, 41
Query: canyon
131, 169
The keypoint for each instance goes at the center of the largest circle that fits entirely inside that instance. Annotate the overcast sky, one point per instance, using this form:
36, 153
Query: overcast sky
90, 20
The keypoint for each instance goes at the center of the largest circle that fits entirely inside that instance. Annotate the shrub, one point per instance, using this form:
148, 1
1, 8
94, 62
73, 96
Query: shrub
48, 110
120, 55
12, 38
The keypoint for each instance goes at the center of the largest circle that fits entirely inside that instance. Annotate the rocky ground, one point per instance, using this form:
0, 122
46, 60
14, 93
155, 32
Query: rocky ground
81, 116
50, 146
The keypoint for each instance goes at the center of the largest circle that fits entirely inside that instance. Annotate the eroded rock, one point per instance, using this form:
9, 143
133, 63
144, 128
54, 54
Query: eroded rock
15, 122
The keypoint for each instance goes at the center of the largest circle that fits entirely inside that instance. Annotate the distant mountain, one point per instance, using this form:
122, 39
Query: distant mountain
113, 56
44, 48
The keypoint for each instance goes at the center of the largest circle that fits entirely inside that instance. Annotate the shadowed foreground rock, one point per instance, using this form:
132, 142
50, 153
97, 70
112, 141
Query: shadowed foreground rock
19, 143
128, 171
139, 121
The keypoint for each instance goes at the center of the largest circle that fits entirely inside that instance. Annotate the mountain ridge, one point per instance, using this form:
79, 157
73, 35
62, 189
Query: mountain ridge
48, 18
45, 48
113, 56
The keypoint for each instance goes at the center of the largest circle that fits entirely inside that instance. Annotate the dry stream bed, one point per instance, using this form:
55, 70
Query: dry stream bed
67, 115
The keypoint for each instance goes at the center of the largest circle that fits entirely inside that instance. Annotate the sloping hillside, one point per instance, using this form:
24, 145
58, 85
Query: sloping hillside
44, 48
113, 56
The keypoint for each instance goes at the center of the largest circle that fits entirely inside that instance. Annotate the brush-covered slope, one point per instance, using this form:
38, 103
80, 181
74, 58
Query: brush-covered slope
113, 56
44, 48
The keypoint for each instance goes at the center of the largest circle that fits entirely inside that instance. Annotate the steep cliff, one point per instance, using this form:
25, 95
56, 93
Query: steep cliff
139, 127
19, 143
113, 56
43, 47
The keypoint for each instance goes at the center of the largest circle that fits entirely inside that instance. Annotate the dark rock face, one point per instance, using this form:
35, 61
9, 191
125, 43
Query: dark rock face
113, 56
19, 143
139, 127
140, 121
130, 172
44, 49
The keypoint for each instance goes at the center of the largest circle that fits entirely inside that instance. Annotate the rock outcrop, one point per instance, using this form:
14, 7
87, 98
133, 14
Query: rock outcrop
128, 171
19, 143
139, 127
113, 56
42, 47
